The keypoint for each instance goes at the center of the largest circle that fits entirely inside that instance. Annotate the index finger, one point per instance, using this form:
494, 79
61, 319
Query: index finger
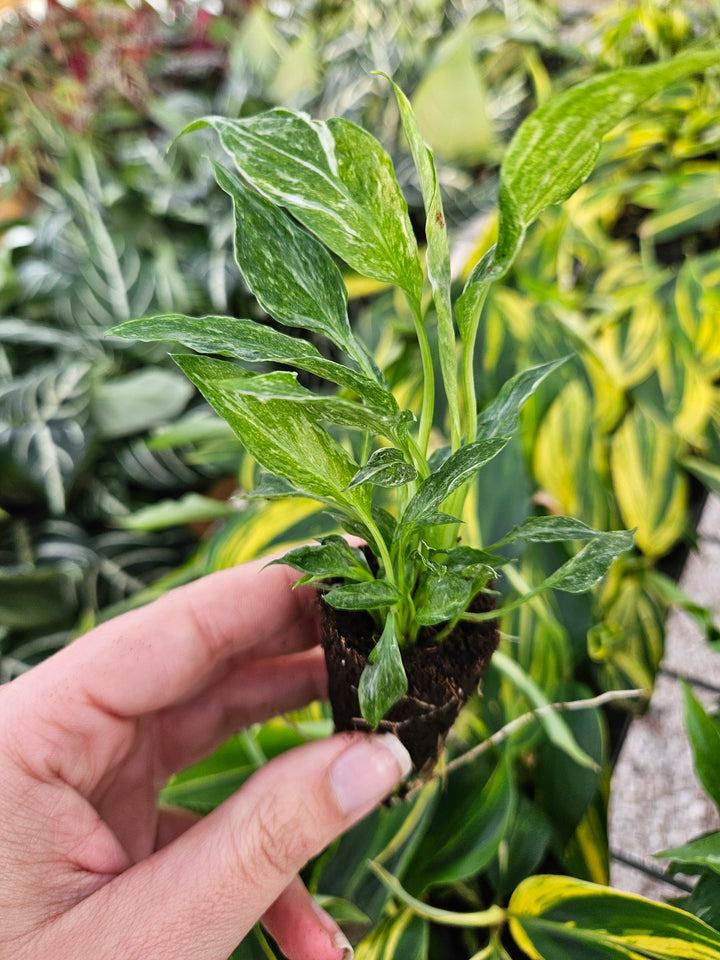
149, 658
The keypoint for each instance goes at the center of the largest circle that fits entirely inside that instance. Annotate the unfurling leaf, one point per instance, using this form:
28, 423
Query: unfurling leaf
370, 595
337, 180
386, 467
383, 681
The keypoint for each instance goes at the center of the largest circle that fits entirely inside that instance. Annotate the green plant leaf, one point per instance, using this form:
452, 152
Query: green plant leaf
548, 530
280, 434
700, 853
191, 508
386, 467
470, 821
442, 597
591, 564
403, 936
500, 418
704, 737
437, 255
332, 557
554, 725
337, 180
293, 277
471, 562
253, 342
704, 901
383, 681
371, 595
456, 470
553, 917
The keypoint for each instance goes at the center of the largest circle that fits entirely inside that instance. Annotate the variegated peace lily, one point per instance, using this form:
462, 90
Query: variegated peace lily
305, 193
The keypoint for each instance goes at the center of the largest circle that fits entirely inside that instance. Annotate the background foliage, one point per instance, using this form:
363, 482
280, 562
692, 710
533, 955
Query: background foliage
114, 477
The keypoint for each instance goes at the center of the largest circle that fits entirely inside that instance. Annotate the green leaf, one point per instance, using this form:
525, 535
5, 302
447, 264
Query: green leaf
470, 821
591, 564
291, 274
471, 562
704, 739
252, 342
554, 917
438, 253
555, 727
132, 403
555, 148
280, 434
383, 681
332, 557
386, 467
704, 901
442, 597
282, 385
700, 853
456, 470
500, 418
191, 508
363, 596
337, 180
403, 936
548, 530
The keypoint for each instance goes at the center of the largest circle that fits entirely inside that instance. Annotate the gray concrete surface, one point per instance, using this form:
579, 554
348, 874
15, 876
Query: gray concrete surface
656, 800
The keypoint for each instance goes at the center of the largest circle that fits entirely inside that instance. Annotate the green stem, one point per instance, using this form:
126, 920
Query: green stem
382, 549
468, 372
428, 402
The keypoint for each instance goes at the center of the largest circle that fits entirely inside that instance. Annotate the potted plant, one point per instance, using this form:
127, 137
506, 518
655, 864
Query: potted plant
409, 618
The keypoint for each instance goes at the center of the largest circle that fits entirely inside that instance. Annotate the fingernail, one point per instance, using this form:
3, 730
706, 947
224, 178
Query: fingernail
367, 771
339, 940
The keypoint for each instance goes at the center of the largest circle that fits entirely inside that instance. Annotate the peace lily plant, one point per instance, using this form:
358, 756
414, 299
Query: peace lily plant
306, 194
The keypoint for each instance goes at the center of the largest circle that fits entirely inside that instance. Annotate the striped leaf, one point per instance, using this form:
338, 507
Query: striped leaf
560, 917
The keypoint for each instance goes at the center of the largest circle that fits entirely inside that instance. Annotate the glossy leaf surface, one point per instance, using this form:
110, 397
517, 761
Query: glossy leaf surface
363, 596
386, 467
704, 737
383, 681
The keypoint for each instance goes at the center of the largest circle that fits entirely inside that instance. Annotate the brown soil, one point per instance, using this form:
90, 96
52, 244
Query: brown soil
441, 677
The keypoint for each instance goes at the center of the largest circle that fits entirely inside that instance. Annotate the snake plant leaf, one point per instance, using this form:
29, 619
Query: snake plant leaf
383, 681
363, 596
456, 470
280, 434
500, 418
438, 253
254, 342
442, 597
293, 277
576, 920
704, 737
590, 565
337, 180
386, 467
703, 853
554, 150
332, 557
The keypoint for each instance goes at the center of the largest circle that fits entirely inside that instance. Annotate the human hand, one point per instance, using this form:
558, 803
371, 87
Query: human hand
91, 868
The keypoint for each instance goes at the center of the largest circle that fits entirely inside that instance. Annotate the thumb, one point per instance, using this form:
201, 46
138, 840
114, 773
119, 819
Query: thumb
197, 898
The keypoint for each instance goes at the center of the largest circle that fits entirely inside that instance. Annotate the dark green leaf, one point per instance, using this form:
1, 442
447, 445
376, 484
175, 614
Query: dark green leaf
699, 854
332, 557
443, 597
279, 434
363, 596
337, 180
548, 530
469, 823
291, 273
591, 564
704, 901
402, 936
386, 467
253, 342
500, 418
456, 470
705, 743
470, 562
270, 487
383, 681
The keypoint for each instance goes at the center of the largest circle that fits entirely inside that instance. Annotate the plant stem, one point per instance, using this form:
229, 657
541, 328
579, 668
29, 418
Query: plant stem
468, 372
428, 401
382, 549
